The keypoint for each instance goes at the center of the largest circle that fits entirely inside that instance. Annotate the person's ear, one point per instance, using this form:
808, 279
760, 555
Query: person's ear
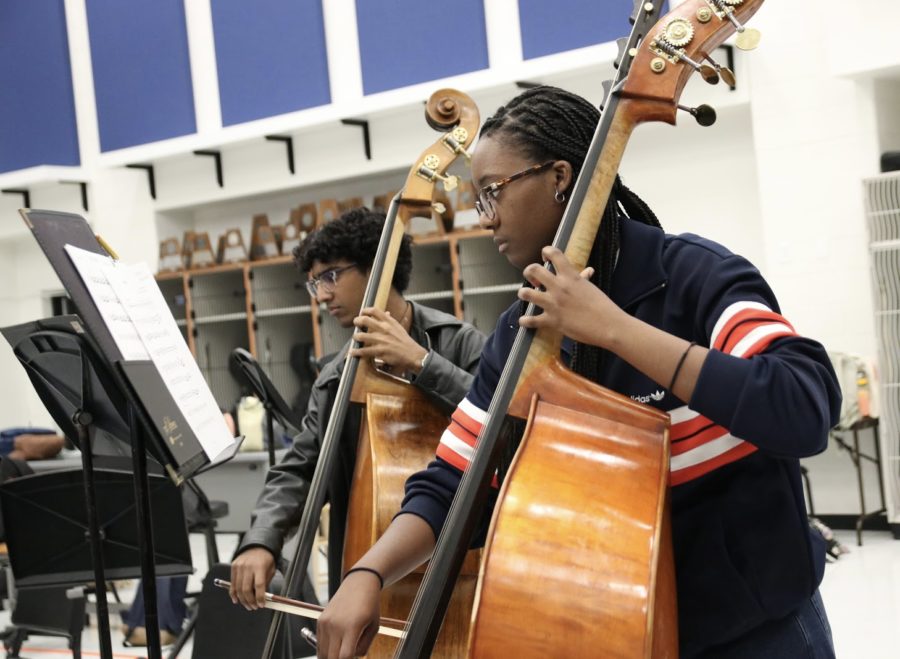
562, 175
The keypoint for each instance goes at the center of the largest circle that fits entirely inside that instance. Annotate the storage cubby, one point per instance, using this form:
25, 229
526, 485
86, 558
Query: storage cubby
172, 288
214, 339
488, 282
263, 306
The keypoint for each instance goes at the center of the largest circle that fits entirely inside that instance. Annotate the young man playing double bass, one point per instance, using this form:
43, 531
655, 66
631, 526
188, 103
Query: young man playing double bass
437, 352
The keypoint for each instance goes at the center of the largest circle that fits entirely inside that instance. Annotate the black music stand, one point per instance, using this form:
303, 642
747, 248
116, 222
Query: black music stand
135, 389
60, 555
265, 390
86, 399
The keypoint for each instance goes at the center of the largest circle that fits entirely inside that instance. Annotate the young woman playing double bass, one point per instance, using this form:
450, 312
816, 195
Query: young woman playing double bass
678, 322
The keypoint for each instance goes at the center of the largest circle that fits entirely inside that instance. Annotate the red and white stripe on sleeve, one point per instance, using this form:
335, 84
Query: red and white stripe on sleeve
747, 328
458, 441
698, 445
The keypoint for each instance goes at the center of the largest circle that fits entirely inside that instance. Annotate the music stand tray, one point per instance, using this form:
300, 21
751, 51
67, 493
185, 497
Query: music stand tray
60, 553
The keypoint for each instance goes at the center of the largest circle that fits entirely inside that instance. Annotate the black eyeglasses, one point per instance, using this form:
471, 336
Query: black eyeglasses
326, 279
486, 196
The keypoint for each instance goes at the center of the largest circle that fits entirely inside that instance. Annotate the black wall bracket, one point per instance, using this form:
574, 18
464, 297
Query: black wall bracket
151, 177
289, 144
218, 156
362, 123
84, 198
26, 195
527, 84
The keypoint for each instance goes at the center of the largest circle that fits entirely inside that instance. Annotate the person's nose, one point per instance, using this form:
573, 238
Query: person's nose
323, 295
486, 222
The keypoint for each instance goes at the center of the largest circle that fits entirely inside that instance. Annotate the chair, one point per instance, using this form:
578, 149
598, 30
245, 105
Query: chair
201, 520
227, 631
43, 611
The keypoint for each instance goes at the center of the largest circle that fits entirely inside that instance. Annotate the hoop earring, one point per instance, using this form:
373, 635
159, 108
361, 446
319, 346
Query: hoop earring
560, 197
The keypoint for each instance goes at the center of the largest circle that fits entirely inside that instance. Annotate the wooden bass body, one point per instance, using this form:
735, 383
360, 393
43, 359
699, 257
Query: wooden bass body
398, 437
582, 567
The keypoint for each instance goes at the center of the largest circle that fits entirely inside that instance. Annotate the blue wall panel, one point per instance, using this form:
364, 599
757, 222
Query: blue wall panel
553, 27
404, 42
142, 73
271, 57
37, 109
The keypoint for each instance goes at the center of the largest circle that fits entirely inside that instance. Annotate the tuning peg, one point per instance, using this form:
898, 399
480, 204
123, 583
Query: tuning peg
748, 38
639, 6
724, 72
450, 182
455, 142
707, 72
428, 171
704, 114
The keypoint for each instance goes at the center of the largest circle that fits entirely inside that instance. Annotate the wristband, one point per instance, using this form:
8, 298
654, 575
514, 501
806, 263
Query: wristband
366, 569
681, 363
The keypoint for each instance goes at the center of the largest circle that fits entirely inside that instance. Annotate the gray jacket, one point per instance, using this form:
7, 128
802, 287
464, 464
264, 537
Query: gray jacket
448, 373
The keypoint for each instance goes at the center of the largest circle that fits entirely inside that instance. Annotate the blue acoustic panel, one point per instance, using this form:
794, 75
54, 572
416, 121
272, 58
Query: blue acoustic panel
37, 111
142, 71
554, 27
404, 42
271, 57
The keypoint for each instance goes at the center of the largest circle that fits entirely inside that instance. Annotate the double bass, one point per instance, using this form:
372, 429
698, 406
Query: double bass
571, 567
400, 426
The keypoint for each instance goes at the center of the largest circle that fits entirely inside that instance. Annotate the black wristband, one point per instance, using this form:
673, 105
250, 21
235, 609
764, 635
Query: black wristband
366, 569
681, 363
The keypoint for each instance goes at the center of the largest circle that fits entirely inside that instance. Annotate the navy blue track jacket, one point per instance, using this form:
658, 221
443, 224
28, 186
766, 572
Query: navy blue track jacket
765, 397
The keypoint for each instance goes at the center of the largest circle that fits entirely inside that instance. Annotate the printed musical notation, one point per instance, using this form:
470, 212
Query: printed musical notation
134, 310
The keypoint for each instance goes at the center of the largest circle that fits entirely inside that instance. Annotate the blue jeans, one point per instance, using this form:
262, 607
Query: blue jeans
804, 634
170, 607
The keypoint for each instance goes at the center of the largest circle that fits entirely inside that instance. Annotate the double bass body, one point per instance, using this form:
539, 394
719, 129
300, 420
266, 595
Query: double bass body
589, 561
393, 446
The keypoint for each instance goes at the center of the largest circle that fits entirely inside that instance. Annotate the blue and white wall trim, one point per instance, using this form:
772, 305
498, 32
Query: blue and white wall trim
114, 80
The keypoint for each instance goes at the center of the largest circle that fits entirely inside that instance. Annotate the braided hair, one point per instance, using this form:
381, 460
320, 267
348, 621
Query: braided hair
548, 123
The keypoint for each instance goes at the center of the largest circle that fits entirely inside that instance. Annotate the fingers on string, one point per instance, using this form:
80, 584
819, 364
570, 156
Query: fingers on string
560, 261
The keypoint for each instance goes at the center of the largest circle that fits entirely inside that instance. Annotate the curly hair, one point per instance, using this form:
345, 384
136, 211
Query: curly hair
354, 236
548, 123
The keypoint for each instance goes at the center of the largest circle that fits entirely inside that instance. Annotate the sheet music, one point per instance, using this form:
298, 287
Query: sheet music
141, 316
93, 270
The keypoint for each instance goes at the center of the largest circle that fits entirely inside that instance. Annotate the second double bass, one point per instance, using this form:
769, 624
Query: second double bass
339, 250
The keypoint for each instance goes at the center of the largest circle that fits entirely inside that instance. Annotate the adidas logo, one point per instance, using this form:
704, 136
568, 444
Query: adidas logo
655, 396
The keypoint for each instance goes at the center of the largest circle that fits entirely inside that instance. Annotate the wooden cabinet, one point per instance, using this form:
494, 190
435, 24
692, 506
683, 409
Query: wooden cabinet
263, 307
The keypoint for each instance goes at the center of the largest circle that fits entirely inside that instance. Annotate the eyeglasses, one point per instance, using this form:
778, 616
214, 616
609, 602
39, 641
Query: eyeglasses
486, 196
326, 279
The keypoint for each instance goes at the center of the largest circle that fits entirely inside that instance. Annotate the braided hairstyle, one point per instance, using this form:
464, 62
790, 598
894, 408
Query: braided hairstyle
548, 123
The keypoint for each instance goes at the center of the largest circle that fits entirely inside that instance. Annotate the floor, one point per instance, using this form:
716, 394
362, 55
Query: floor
861, 592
